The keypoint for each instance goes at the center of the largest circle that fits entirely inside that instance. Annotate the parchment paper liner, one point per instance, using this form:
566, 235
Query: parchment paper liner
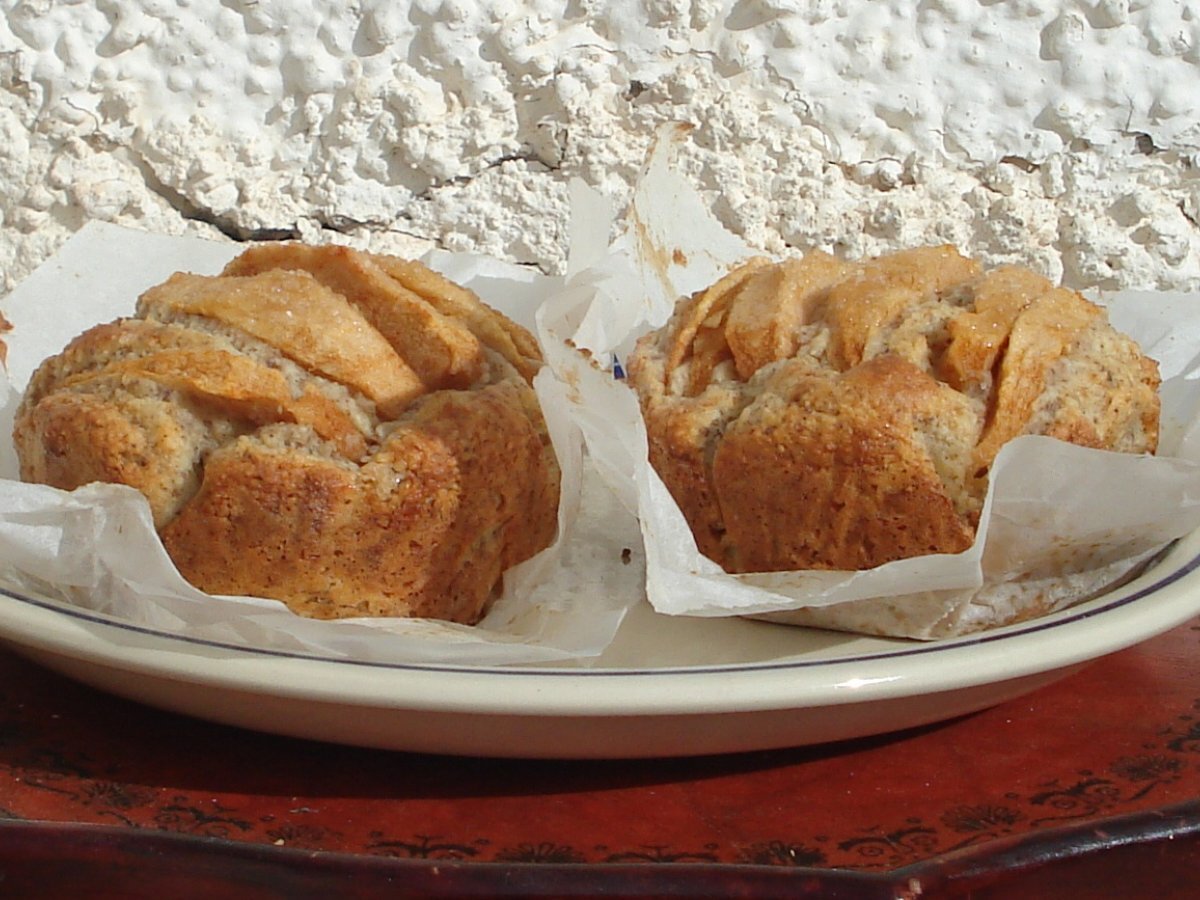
1060, 522
96, 547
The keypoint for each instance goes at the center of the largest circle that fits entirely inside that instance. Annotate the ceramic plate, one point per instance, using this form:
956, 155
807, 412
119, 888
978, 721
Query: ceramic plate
666, 686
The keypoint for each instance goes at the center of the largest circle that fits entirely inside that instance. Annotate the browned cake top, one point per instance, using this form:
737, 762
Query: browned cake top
353, 434
821, 413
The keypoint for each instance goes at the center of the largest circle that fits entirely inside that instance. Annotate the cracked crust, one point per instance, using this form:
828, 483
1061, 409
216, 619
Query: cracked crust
815, 413
312, 428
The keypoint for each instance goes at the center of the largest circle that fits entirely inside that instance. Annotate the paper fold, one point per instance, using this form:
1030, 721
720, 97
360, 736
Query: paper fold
96, 547
1058, 520
1056, 515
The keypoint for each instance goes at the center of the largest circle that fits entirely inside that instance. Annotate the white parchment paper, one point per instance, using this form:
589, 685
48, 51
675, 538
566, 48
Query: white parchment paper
96, 546
1060, 518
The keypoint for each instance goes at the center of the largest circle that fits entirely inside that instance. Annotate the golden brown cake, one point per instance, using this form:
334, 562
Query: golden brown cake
354, 435
821, 414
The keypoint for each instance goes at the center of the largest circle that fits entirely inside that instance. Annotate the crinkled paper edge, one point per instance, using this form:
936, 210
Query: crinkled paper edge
564, 605
1133, 506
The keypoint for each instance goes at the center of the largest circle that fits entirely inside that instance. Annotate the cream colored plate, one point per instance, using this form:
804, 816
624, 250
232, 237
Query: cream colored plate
666, 687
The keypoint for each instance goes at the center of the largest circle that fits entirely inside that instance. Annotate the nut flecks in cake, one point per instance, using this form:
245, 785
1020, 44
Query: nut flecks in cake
815, 413
351, 434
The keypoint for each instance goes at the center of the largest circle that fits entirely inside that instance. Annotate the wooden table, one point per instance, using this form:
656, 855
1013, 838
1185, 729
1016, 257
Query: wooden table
1087, 788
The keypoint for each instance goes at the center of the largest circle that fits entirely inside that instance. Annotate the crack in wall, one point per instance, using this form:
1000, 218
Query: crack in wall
191, 211
527, 156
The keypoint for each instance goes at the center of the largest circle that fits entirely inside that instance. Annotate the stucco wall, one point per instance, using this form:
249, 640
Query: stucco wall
1063, 135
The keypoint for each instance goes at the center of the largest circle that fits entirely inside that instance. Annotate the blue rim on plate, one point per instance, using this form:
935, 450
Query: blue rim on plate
1097, 606
788, 686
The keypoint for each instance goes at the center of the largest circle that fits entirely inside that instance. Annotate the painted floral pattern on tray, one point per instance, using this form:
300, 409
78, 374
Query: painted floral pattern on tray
1063, 799
57, 764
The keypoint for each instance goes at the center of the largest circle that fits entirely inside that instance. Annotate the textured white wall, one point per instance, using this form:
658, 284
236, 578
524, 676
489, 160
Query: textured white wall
1064, 135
